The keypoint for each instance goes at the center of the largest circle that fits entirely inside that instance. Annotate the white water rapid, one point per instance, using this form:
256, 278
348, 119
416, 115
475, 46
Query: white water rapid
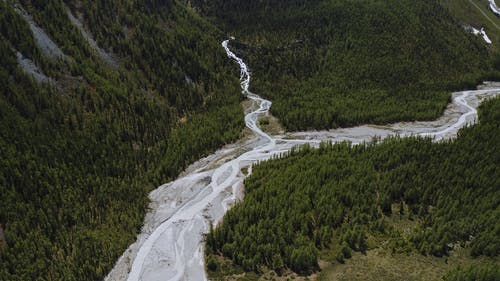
170, 246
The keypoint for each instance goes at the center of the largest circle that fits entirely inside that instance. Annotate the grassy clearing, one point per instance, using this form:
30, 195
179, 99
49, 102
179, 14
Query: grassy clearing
271, 125
383, 261
386, 262
381, 264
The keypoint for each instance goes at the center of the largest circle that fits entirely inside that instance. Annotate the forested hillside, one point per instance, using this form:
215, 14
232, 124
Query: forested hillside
326, 64
80, 150
103, 100
334, 199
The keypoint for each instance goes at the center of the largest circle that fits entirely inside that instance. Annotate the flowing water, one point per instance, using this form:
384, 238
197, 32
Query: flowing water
170, 246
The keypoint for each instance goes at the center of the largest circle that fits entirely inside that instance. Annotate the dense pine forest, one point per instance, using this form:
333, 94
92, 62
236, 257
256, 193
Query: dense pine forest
327, 64
79, 154
115, 115
334, 198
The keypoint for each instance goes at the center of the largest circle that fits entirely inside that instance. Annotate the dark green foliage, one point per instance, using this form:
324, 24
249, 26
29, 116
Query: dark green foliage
296, 203
78, 158
487, 272
17, 30
326, 64
211, 263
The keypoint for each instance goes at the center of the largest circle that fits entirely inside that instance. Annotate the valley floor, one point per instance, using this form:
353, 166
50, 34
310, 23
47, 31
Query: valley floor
171, 244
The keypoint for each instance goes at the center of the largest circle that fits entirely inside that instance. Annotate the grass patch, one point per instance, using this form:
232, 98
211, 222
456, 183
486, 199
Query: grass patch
220, 268
271, 125
391, 257
387, 258
381, 264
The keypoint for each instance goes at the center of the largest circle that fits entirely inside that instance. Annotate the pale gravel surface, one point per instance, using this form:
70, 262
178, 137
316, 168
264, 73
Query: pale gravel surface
48, 47
461, 111
170, 246
30, 68
107, 57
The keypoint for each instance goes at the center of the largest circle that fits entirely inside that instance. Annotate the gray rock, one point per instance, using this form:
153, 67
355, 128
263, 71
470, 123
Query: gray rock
48, 47
30, 68
107, 57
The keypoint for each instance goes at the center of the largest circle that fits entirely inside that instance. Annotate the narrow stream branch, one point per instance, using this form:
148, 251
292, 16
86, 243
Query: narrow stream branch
170, 246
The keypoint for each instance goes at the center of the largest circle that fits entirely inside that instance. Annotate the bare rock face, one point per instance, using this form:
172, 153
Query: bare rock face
105, 56
48, 47
30, 68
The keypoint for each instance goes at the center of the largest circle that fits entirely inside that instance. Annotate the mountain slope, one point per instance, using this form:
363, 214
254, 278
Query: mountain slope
103, 100
81, 149
476, 14
326, 64
338, 199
